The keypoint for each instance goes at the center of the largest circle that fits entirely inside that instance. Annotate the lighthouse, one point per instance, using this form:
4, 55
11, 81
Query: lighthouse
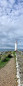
16, 46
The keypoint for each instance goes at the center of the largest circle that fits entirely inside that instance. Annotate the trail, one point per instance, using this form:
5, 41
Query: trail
8, 74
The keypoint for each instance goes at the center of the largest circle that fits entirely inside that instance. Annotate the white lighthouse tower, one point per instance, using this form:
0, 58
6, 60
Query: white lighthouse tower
16, 46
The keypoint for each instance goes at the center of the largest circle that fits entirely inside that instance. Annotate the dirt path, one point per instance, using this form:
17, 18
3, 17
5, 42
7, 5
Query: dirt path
8, 74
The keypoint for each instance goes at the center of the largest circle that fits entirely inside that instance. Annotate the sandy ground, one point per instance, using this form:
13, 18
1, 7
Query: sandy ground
8, 74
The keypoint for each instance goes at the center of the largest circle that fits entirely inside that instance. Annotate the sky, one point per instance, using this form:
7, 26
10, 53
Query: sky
11, 23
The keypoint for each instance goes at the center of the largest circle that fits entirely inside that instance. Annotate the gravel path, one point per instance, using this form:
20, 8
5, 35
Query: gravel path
8, 74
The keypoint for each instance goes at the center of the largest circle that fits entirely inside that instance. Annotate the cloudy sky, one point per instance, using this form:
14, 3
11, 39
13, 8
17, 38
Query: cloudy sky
11, 23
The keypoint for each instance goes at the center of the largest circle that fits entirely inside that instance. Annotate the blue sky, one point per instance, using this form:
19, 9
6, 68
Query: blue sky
11, 23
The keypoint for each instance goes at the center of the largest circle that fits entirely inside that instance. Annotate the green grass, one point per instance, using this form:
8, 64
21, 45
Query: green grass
4, 62
14, 53
22, 56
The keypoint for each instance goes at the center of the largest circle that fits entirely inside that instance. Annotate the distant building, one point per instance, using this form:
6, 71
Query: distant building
16, 46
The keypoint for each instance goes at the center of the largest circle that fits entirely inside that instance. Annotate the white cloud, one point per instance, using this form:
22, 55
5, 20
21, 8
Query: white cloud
11, 21
12, 1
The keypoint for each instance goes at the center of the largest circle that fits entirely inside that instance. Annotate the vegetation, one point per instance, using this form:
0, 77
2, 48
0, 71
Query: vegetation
2, 64
4, 59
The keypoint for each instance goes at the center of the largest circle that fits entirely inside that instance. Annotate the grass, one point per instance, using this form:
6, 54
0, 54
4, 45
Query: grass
14, 53
4, 60
3, 63
22, 56
15, 57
